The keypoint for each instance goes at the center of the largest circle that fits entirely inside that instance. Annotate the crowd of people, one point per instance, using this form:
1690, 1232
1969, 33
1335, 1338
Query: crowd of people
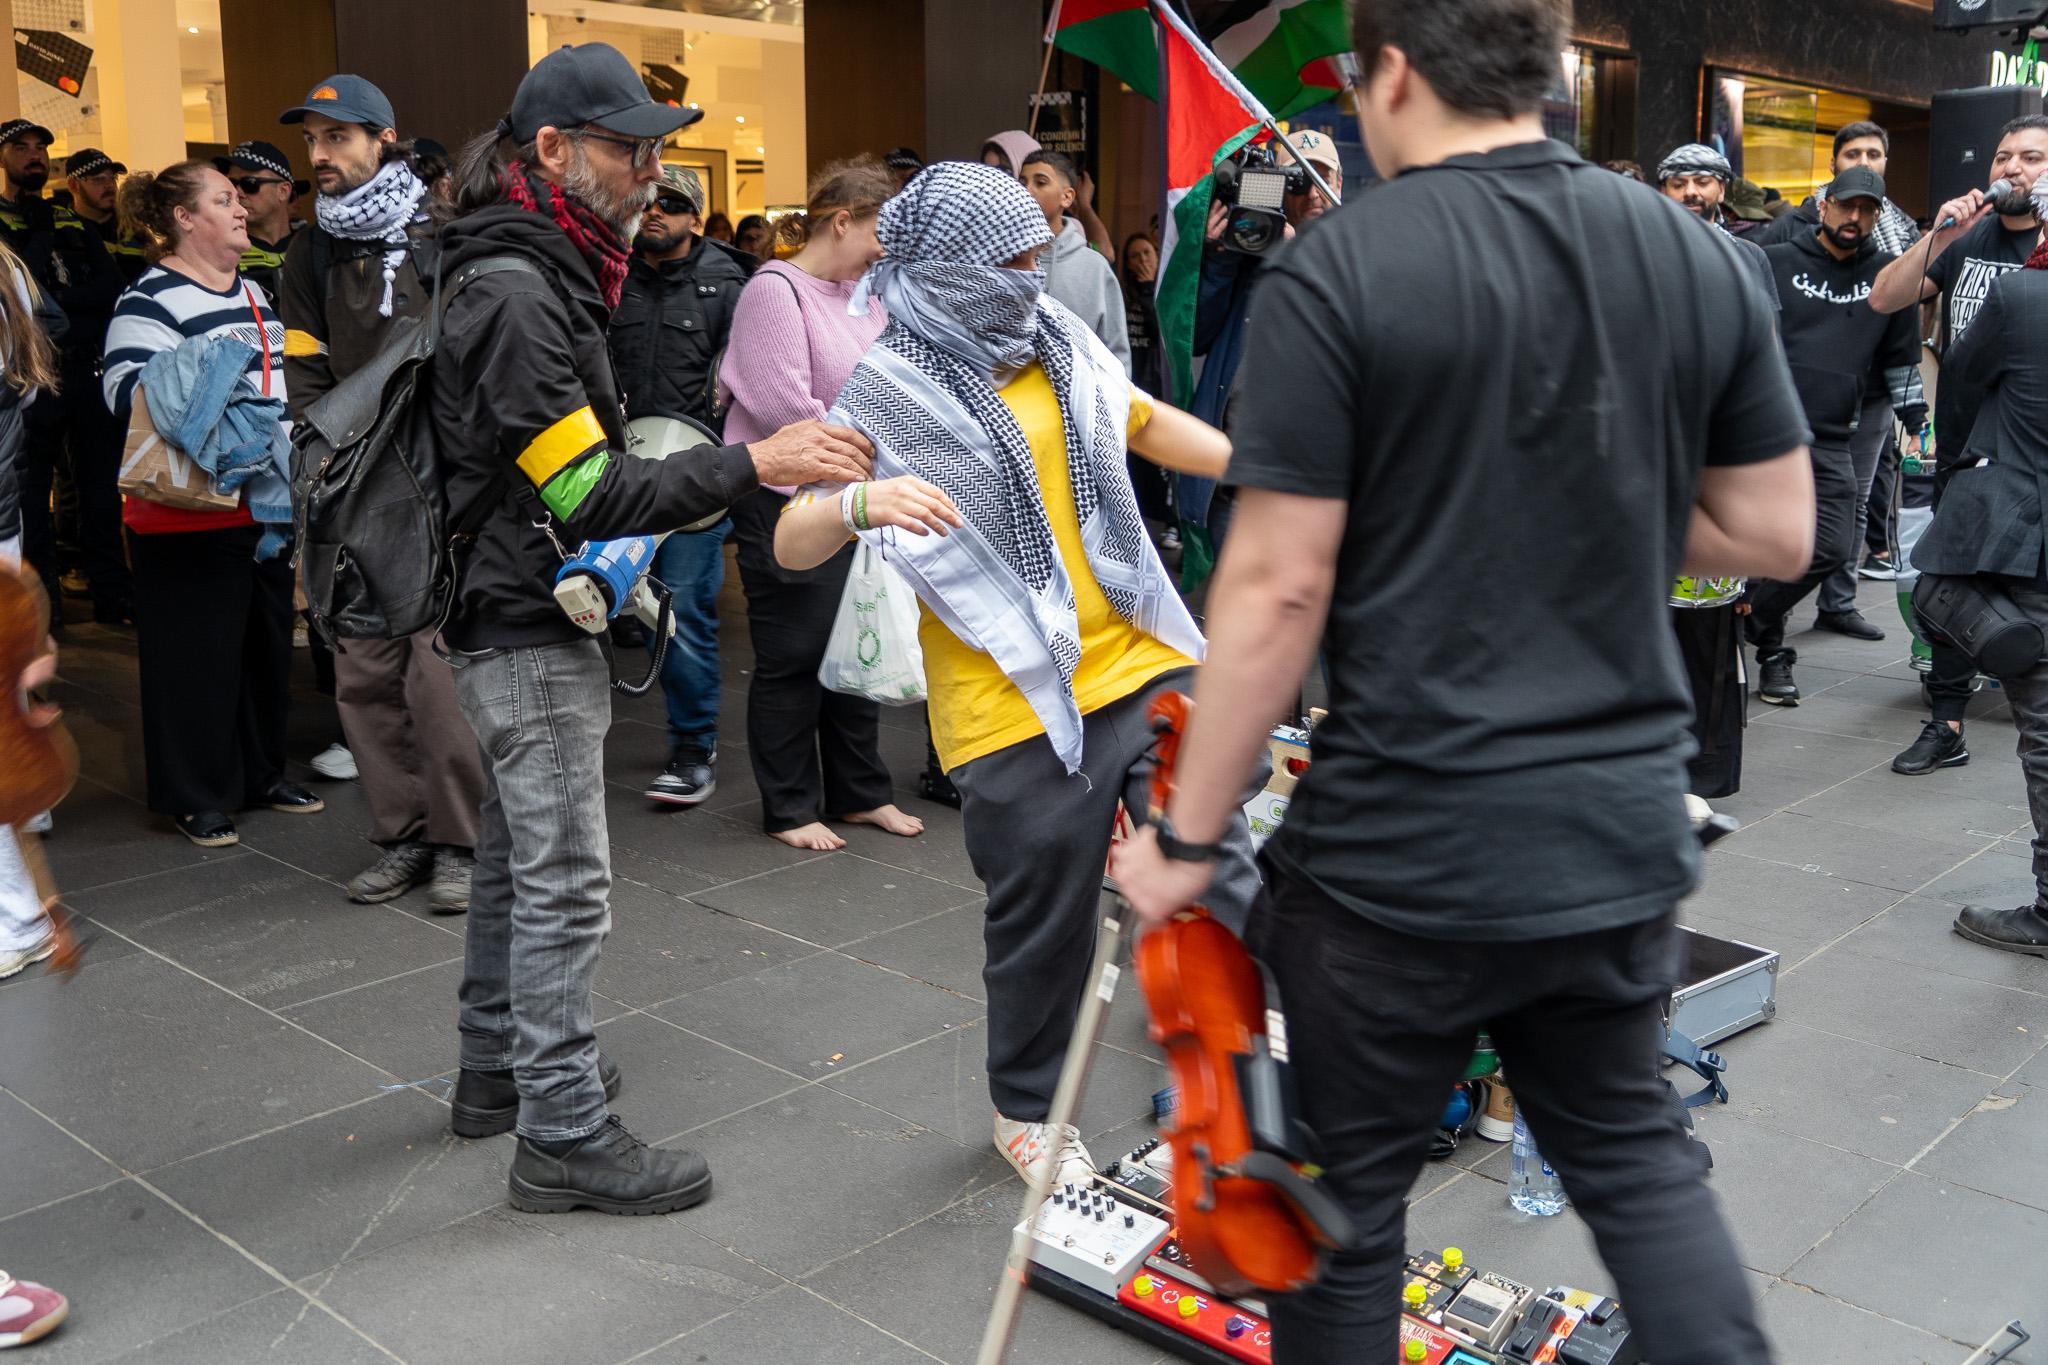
958, 365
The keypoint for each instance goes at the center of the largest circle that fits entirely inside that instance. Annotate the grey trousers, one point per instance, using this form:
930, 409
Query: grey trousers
421, 772
1039, 840
539, 903
1866, 447
2028, 693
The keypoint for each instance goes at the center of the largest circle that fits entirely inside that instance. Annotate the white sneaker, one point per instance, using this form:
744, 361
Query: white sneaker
1029, 1146
336, 762
14, 961
1697, 810
40, 823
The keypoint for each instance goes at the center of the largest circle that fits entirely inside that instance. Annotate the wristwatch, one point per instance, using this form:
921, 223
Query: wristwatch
1178, 849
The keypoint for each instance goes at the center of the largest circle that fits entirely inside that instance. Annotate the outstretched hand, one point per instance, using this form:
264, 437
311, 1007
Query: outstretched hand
812, 452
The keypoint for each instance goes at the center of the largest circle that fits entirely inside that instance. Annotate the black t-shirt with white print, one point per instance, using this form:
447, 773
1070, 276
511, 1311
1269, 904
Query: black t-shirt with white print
1965, 273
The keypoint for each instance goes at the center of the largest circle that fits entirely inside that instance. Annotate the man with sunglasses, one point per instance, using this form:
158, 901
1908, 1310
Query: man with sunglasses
366, 262
670, 327
262, 177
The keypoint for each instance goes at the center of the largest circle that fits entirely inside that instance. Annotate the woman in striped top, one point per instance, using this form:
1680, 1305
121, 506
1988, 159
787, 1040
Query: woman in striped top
213, 623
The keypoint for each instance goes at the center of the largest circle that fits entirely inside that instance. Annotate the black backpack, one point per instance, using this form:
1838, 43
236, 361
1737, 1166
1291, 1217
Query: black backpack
369, 502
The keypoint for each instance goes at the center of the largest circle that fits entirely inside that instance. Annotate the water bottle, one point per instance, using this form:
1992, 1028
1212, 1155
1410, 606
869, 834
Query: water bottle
1533, 1188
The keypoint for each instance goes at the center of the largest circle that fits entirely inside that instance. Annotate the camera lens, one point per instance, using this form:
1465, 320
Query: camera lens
1252, 230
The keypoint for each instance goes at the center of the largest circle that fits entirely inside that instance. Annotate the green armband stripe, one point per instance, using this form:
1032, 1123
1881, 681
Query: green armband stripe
565, 493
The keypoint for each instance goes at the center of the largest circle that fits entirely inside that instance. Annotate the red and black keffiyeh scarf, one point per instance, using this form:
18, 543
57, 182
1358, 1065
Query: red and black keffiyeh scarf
606, 251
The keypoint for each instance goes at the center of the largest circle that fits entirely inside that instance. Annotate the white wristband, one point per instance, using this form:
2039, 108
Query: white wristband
846, 507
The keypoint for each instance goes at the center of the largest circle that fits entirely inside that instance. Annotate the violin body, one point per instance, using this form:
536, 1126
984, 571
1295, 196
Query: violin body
1247, 1216
38, 761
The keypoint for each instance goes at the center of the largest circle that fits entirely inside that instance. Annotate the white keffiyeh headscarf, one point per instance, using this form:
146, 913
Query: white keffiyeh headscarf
961, 324
378, 210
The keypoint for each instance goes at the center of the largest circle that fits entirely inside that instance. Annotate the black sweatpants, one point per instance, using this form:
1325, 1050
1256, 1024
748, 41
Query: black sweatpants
1952, 676
214, 630
1836, 498
1710, 646
815, 752
1578, 1022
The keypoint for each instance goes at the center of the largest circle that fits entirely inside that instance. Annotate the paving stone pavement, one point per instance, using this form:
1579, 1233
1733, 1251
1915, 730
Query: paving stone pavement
227, 1138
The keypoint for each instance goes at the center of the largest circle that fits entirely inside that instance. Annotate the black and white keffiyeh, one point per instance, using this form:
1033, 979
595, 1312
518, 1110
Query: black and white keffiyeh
378, 210
960, 324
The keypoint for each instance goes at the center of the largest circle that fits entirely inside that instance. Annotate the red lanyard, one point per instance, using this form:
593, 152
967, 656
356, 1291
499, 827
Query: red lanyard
262, 332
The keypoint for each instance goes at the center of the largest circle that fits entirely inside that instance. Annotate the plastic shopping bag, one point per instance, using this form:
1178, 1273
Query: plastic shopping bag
873, 651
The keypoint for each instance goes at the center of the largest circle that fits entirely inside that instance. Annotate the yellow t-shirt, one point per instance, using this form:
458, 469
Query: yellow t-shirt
975, 710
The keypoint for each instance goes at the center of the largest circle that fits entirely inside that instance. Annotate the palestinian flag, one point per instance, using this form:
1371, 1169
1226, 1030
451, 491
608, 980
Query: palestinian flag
1284, 52
1209, 116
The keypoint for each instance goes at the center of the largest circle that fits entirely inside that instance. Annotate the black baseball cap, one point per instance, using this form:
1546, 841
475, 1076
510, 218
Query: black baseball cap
16, 127
593, 83
254, 156
91, 161
346, 99
1858, 182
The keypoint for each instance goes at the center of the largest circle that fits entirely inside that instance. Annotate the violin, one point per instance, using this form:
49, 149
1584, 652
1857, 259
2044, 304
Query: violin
1247, 1211
38, 761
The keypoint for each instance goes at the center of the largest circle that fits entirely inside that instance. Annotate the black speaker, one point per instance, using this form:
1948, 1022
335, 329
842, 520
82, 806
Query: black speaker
1968, 14
1963, 136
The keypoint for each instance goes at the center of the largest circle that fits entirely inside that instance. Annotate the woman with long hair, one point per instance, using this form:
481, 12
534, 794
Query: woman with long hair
213, 590
1000, 425
815, 753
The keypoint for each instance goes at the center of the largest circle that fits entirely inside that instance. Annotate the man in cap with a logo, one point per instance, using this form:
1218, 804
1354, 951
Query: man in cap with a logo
73, 431
94, 179
262, 177
366, 262
531, 434
672, 322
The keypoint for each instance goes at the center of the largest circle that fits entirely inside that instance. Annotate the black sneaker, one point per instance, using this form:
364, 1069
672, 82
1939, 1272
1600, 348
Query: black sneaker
691, 776
1937, 747
487, 1102
1878, 567
2021, 930
1774, 677
934, 785
610, 1171
1851, 623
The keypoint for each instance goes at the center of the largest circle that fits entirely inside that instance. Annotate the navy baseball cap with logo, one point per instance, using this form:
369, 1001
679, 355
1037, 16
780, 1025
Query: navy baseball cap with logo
91, 161
345, 99
593, 83
1857, 182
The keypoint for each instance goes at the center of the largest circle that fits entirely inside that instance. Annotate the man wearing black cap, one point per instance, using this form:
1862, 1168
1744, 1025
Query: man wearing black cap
74, 432
1834, 341
262, 177
347, 280
528, 417
95, 182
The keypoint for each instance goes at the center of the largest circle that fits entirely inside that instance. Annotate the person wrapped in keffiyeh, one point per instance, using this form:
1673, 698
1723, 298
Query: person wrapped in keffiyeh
969, 332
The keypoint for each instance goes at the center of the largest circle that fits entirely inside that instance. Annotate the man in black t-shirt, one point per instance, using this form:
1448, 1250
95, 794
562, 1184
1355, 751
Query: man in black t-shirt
1477, 511
1970, 247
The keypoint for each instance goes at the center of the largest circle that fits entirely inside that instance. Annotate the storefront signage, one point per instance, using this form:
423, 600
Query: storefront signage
2019, 68
1062, 122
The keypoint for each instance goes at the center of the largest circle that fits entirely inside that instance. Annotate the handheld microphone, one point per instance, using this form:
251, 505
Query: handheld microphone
2003, 196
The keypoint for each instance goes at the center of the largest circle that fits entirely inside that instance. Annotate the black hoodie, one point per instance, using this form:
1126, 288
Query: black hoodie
526, 409
1833, 337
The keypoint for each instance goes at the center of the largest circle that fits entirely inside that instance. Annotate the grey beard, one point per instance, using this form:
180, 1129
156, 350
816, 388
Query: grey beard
621, 212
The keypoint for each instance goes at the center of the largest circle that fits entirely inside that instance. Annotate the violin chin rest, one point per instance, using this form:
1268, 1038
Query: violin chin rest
1322, 1217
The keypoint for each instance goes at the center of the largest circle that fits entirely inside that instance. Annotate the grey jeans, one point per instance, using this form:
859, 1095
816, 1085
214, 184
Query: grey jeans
2028, 693
1866, 446
1039, 840
539, 904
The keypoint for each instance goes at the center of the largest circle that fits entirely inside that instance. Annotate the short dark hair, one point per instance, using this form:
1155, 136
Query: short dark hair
2035, 122
1850, 132
1062, 164
1496, 58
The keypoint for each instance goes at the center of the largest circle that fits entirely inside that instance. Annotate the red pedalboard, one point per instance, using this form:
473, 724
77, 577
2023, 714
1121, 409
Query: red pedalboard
1183, 1308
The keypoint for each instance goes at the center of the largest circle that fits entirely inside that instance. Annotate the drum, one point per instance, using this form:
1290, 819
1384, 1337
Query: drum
658, 436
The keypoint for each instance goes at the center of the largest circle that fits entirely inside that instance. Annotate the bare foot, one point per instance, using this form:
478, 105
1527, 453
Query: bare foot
890, 819
814, 836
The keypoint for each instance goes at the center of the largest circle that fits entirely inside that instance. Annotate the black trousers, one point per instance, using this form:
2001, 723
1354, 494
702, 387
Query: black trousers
1578, 1022
815, 752
80, 440
1950, 680
1835, 496
214, 630
1711, 648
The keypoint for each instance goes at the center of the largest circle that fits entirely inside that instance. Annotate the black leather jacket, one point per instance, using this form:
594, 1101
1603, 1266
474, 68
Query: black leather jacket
670, 327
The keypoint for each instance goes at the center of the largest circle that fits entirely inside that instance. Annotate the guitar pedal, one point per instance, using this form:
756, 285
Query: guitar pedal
1488, 1308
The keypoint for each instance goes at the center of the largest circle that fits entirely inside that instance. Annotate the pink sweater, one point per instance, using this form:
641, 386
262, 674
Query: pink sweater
793, 348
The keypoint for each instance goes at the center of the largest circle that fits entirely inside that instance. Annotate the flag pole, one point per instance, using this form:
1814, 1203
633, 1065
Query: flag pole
1052, 25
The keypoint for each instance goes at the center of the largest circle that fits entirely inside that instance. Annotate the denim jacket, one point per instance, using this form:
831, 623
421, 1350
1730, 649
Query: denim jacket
202, 403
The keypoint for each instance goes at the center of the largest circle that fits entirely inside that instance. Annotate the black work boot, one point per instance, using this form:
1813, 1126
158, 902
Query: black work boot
2021, 930
487, 1102
1774, 677
1939, 746
610, 1171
